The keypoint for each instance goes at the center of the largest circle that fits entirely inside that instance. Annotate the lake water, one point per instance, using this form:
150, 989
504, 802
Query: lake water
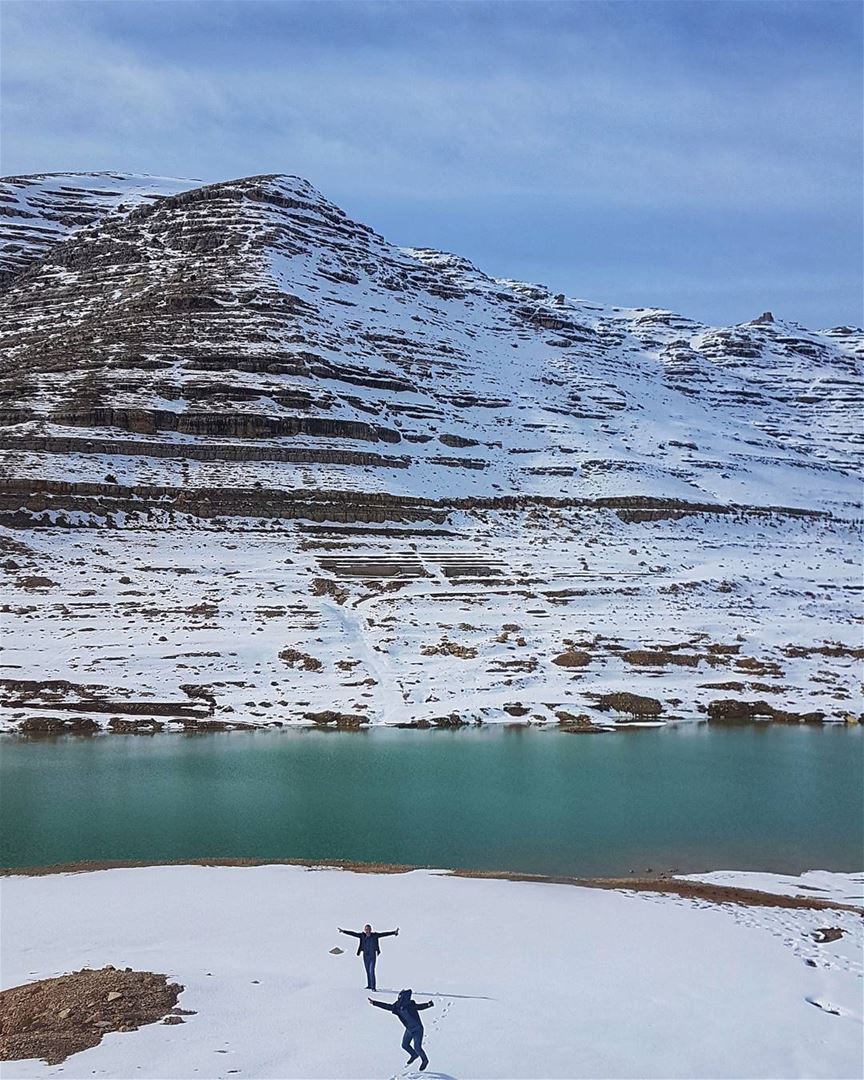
688, 798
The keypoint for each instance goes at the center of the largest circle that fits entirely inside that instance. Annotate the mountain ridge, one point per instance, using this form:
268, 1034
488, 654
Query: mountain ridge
243, 359
253, 266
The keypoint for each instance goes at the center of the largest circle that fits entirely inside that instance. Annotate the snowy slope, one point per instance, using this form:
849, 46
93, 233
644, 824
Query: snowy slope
381, 484
37, 212
528, 979
283, 623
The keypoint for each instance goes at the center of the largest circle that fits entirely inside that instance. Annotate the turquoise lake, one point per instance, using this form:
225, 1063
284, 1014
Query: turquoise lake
688, 798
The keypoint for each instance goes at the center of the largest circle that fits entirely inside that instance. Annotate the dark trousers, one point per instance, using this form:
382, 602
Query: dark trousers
369, 964
415, 1036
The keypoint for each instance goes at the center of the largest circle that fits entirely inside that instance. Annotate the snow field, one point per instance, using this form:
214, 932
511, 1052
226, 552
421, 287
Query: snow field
528, 979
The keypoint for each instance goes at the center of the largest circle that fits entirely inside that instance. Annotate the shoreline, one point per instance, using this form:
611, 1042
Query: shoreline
687, 889
607, 725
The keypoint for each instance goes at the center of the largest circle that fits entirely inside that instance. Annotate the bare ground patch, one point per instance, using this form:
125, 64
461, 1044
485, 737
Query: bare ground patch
53, 1018
572, 658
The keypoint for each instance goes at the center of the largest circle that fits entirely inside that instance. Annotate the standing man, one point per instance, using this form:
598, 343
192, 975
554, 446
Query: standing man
369, 947
408, 1012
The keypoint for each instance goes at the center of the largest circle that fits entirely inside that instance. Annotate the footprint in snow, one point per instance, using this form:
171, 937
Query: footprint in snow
825, 1006
413, 1074
440, 1016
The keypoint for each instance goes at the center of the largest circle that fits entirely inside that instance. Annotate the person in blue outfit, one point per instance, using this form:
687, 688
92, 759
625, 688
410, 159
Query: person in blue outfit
369, 948
408, 1012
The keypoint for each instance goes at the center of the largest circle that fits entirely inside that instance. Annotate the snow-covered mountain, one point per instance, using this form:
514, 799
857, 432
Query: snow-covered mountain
416, 485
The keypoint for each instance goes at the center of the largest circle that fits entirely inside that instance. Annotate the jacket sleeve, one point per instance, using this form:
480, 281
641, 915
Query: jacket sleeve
382, 1005
352, 933
387, 933
428, 1005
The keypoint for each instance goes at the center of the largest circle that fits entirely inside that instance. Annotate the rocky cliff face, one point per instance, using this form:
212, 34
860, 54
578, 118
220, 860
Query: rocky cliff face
185, 363
37, 212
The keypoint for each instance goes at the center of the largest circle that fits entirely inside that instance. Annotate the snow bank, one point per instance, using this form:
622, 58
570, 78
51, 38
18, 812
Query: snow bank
819, 884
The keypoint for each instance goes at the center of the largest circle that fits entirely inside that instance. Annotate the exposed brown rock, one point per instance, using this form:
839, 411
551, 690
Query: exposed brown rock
824, 650
634, 704
573, 658
295, 658
827, 934
97, 705
449, 648
121, 726
222, 425
456, 440
56, 444
328, 587
579, 724
660, 658
733, 711
35, 582
336, 719
49, 725
53, 1018
454, 720
757, 667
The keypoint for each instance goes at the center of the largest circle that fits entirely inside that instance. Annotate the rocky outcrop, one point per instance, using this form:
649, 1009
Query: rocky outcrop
634, 705
661, 658
331, 718
296, 658
55, 725
54, 1018
37, 502
222, 425
49, 497
579, 724
732, 711
572, 658
245, 451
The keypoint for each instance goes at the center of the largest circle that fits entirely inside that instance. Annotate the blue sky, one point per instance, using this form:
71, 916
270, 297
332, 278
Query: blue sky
704, 156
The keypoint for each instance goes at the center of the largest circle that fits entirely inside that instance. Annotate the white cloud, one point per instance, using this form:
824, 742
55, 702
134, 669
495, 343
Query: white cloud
747, 158
395, 123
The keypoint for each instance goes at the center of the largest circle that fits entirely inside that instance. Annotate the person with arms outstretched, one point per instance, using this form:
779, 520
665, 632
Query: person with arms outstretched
408, 1012
369, 948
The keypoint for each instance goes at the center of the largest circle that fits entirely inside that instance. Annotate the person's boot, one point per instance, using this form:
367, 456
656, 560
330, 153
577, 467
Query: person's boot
423, 1063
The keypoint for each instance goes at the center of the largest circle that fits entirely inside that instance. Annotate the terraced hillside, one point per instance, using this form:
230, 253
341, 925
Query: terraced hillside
260, 466
37, 212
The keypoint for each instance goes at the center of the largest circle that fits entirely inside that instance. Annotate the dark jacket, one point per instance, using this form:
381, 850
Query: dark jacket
406, 1009
368, 943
